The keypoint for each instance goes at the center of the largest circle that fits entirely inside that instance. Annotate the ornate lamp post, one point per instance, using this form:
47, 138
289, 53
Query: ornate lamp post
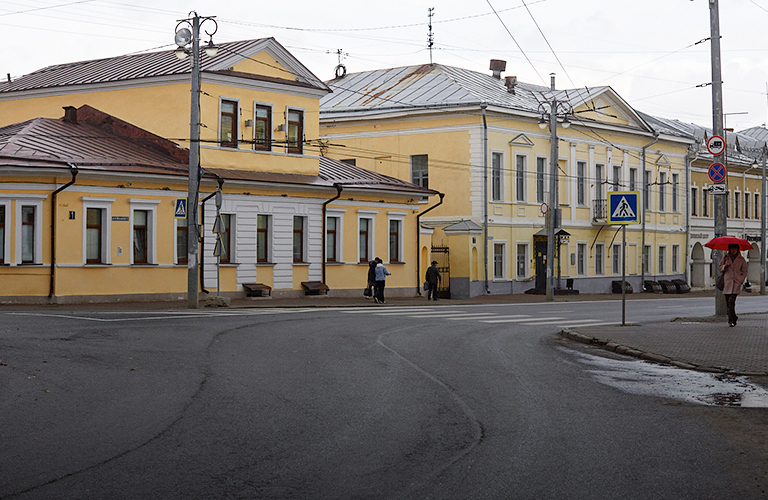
549, 116
188, 42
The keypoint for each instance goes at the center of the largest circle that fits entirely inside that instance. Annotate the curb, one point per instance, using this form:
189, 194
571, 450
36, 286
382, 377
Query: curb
649, 356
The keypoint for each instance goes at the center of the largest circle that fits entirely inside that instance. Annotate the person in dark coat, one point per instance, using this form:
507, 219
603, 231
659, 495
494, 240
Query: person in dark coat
381, 276
371, 277
432, 279
734, 268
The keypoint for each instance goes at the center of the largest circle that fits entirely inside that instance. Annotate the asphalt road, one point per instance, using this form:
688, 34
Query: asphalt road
350, 403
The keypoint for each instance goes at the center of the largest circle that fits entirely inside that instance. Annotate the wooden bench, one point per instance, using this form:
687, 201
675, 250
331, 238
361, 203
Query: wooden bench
258, 290
315, 288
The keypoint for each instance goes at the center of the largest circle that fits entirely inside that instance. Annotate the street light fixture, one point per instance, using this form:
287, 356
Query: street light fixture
183, 38
549, 113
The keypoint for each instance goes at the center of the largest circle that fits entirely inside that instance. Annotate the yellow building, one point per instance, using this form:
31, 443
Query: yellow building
483, 142
88, 202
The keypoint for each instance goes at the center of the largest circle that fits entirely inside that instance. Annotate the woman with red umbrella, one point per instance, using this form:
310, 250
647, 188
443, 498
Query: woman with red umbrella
734, 269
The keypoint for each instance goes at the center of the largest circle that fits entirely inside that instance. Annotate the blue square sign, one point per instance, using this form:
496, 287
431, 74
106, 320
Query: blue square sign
623, 207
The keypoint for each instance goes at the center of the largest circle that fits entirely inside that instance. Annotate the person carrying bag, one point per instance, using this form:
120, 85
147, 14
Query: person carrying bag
733, 269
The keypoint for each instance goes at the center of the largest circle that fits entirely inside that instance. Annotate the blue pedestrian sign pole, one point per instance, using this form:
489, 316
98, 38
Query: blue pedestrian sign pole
623, 210
180, 208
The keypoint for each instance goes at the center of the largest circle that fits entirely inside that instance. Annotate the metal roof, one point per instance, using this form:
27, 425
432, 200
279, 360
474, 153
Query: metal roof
92, 144
437, 85
159, 64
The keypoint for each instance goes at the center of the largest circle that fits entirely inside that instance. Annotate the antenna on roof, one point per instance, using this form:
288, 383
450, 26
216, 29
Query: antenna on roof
430, 36
340, 69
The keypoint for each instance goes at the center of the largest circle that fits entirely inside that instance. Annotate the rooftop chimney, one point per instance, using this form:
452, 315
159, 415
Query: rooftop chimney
497, 66
511, 83
70, 115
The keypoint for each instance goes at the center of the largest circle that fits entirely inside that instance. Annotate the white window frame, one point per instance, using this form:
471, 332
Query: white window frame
647, 258
544, 179
303, 112
150, 206
616, 258
30, 201
304, 239
633, 178
526, 259
675, 192
173, 240
661, 260
269, 241
271, 124
581, 260
662, 192
105, 204
501, 176
238, 130
503, 245
521, 177
647, 191
599, 259
6, 242
582, 184
336, 213
400, 218
675, 258
371, 216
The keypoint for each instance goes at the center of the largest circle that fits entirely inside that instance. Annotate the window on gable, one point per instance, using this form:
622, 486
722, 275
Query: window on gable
295, 136
228, 124
262, 128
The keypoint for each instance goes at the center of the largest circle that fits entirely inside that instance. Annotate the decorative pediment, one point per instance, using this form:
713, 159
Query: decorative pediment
521, 140
663, 161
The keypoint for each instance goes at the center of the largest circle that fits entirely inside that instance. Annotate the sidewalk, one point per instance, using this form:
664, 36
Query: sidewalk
703, 344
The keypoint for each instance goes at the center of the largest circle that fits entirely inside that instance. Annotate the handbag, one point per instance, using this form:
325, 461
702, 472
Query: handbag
367, 291
720, 283
426, 286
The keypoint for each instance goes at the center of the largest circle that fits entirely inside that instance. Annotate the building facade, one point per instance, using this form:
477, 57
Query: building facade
484, 142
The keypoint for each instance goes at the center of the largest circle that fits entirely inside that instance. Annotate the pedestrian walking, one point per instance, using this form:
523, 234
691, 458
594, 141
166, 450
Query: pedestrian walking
371, 279
734, 269
381, 276
432, 278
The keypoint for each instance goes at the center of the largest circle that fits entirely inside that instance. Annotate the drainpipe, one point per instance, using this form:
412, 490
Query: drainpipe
202, 235
689, 158
485, 197
645, 187
339, 188
73, 170
418, 237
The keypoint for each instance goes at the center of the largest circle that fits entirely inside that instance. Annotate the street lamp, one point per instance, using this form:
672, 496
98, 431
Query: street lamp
549, 115
183, 38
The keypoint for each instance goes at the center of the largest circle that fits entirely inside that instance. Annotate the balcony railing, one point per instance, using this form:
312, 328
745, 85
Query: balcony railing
599, 210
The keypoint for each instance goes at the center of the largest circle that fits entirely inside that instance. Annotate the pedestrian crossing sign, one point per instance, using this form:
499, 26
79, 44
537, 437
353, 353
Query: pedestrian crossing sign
180, 210
623, 207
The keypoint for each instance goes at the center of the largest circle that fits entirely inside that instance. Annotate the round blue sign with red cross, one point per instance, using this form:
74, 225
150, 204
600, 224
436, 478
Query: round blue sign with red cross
717, 172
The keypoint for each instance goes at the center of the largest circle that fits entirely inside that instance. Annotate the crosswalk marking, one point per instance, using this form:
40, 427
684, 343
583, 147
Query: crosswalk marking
528, 320
490, 317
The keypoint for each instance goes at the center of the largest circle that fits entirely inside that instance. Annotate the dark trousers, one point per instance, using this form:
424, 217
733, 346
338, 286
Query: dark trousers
432, 291
378, 290
730, 304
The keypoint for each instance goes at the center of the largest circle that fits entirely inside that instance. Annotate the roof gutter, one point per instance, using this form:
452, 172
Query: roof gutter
202, 234
418, 242
74, 171
339, 188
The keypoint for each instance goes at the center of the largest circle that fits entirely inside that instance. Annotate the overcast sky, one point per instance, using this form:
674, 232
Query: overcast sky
647, 51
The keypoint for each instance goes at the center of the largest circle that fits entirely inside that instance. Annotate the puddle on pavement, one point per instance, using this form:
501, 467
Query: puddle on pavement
650, 379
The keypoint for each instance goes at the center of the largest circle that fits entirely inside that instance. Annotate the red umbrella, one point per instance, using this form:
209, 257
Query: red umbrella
722, 243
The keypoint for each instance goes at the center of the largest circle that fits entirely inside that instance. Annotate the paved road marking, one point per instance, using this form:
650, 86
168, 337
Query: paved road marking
519, 320
493, 317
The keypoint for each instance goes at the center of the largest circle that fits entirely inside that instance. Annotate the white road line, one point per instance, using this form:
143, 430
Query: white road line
450, 315
566, 325
559, 322
493, 317
518, 320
